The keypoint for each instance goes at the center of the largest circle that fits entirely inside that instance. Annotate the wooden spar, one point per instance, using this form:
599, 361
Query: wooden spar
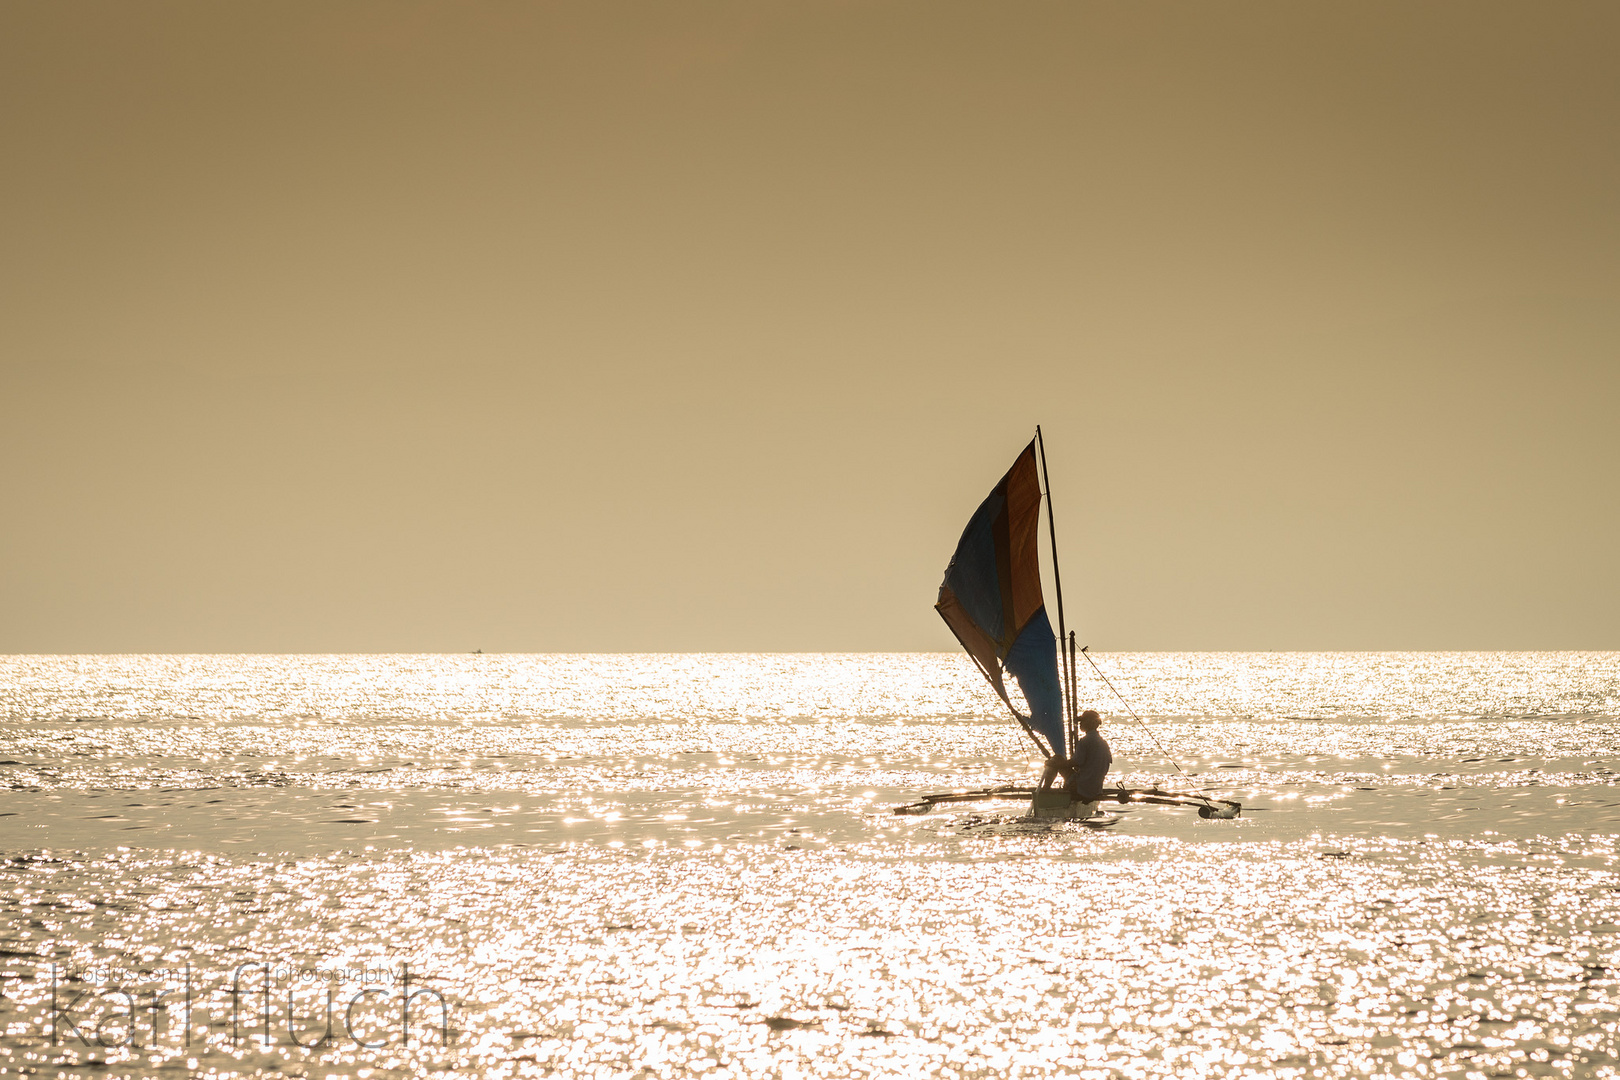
1023, 723
1074, 688
1072, 695
1069, 726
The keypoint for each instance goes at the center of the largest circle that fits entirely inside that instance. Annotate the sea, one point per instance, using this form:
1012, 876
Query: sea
690, 866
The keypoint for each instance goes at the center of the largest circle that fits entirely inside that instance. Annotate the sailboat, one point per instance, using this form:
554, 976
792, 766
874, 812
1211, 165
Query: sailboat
992, 600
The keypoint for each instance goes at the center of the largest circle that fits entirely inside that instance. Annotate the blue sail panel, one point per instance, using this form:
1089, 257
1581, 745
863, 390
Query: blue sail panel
974, 576
1032, 660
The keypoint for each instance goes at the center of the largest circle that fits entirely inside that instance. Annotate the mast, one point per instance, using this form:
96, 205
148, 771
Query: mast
1057, 580
1074, 695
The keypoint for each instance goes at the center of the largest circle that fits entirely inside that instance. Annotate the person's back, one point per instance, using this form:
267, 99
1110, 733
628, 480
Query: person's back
1092, 758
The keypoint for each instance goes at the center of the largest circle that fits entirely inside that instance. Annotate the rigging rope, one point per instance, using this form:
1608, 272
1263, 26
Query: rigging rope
1084, 651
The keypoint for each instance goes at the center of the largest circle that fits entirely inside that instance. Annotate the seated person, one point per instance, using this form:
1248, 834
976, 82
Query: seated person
1084, 772
1092, 758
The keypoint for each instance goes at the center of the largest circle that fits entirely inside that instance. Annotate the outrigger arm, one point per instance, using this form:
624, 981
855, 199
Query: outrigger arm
1207, 807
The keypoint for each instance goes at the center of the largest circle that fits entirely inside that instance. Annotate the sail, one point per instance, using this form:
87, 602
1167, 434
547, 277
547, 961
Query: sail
991, 598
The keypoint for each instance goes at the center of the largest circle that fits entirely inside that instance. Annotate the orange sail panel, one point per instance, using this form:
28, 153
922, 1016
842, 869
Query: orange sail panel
991, 598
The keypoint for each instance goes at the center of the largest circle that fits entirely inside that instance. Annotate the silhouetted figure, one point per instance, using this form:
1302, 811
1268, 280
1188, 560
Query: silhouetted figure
1091, 760
1083, 772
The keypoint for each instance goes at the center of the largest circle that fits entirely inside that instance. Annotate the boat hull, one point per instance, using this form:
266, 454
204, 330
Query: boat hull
1054, 803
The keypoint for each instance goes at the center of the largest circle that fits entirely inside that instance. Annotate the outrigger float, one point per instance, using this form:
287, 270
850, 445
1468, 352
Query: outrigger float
991, 599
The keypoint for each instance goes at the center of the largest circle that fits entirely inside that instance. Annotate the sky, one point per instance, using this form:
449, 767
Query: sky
571, 327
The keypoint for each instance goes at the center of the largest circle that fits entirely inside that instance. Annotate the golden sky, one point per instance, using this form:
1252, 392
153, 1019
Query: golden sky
705, 326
